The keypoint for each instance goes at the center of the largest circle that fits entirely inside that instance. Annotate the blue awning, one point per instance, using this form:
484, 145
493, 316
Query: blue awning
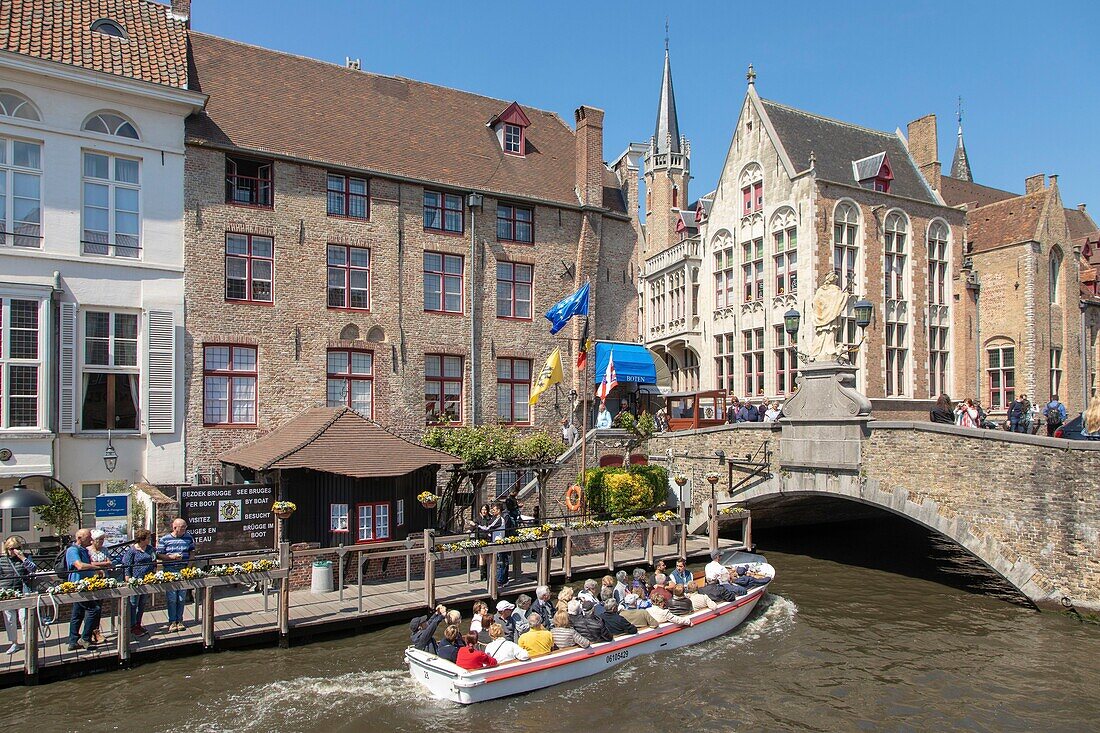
633, 362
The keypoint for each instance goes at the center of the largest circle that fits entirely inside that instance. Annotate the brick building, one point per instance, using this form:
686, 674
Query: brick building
387, 244
800, 196
1036, 325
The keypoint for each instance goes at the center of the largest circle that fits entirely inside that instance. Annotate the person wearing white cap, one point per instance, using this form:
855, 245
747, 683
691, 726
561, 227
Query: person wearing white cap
98, 555
503, 649
504, 618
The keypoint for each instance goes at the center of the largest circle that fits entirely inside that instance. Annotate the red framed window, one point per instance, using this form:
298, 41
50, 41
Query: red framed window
937, 360
786, 261
514, 391
249, 182
786, 361
442, 389
515, 224
752, 267
513, 139
348, 277
373, 523
229, 385
725, 289
752, 198
753, 356
249, 268
758, 195
350, 380
746, 200
348, 196
514, 290
443, 212
443, 282
338, 518
1002, 376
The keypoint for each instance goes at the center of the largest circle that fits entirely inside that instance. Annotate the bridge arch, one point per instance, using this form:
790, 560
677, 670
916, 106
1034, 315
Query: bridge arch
1018, 573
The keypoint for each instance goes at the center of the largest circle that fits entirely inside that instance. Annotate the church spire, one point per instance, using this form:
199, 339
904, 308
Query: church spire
960, 164
666, 136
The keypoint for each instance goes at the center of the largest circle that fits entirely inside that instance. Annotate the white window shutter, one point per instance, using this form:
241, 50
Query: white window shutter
161, 410
66, 400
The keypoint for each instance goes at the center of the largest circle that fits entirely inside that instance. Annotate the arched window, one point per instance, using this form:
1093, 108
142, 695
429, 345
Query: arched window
13, 104
937, 263
109, 27
785, 238
845, 244
1055, 273
752, 189
110, 123
938, 317
895, 259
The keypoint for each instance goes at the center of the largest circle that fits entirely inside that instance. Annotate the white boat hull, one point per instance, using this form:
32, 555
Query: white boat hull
448, 681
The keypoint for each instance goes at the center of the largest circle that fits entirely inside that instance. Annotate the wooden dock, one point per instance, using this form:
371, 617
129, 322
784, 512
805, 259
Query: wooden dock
226, 615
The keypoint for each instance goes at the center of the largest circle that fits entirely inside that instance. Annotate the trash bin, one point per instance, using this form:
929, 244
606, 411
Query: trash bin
321, 582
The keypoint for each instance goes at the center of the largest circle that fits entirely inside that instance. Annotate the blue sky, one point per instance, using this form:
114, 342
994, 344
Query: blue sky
1029, 75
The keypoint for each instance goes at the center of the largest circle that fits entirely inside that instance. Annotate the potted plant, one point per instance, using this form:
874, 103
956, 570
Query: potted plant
283, 509
428, 499
681, 479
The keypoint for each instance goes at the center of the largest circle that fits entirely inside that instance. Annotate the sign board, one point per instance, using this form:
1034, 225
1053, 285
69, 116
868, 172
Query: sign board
112, 516
229, 518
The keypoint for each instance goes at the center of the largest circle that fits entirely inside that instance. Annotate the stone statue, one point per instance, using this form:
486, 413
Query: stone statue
829, 304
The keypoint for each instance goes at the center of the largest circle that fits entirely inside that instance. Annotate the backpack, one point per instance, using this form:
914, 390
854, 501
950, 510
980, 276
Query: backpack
1054, 415
61, 566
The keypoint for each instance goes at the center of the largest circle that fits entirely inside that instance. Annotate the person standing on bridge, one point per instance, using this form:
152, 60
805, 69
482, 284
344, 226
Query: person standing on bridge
942, 412
1055, 413
967, 415
1018, 413
176, 549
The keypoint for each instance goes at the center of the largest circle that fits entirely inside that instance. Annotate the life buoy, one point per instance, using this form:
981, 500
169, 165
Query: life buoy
573, 498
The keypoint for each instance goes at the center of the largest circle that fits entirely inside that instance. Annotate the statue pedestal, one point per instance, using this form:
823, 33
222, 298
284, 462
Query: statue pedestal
824, 420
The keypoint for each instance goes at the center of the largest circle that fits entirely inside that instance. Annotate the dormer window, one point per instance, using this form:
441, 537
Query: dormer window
510, 127
109, 27
873, 172
513, 139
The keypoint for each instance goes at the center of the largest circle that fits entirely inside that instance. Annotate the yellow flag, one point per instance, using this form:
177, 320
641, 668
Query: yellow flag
549, 376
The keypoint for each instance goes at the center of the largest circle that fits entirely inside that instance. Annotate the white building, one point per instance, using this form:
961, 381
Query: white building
93, 97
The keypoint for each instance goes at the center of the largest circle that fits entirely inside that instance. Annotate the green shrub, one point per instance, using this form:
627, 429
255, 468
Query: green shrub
621, 491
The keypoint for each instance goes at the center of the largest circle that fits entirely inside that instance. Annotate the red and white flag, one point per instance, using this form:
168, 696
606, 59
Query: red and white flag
609, 380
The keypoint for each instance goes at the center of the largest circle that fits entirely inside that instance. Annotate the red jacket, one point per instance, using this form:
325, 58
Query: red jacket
474, 658
660, 590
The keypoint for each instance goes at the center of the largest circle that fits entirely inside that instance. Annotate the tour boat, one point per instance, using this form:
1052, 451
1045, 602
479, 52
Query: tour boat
448, 681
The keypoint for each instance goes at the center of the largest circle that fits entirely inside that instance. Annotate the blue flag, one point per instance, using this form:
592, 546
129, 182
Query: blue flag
573, 305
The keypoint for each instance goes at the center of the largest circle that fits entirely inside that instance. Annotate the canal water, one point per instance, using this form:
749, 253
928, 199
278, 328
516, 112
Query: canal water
863, 630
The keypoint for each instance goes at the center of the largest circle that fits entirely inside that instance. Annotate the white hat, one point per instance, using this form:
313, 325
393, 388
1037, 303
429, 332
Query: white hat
97, 533
503, 605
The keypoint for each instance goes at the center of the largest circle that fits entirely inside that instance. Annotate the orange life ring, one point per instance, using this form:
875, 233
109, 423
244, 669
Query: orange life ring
573, 498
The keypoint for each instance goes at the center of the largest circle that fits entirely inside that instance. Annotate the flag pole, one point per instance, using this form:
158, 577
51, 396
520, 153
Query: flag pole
584, 426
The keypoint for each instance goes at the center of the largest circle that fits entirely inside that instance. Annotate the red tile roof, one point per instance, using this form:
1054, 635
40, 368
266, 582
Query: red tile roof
957, 193
1080, 223
60, 30
302, 108
1006, 222
336, 440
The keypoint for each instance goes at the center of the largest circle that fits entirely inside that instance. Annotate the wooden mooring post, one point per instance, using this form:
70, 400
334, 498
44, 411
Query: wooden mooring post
30, 647
123, 631
429, 569
284, 596
208, 618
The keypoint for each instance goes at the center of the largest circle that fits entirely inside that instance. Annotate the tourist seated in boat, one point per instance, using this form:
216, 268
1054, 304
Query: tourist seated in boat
470, 657
536, 641
503, 618
542, 606
632, 613
564, 596
659, 588
661, 615
747, 578
479, 624
452, 641
607, 588
699, 601
620, 585
564, 634
590, 592
422, 629
520, 625
588, 624
721, 592
641, 584
715, 570
503, 649
613, 622
681, 574
680, 604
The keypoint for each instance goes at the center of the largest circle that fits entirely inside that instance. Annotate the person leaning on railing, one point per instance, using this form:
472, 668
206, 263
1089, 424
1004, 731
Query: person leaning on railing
138, 560
176, 548
16, 571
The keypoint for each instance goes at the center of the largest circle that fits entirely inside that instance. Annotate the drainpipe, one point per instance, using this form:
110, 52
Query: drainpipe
1085, 397
473, 202
974, 285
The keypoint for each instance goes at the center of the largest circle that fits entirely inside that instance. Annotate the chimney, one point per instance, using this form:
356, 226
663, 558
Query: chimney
924, 148
181, 10
589, 155
1081, 208
1035, 183
1054, 180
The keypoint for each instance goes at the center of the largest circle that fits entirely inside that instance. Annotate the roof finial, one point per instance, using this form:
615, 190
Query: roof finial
813, 160
751, 75
959, 111
666, 34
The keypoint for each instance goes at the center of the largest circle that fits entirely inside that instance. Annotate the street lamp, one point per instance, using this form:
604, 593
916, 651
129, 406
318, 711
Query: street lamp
22, 497
110, 456
863, 309
791, 320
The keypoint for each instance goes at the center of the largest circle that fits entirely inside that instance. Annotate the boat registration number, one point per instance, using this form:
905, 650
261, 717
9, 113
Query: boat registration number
616, 657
